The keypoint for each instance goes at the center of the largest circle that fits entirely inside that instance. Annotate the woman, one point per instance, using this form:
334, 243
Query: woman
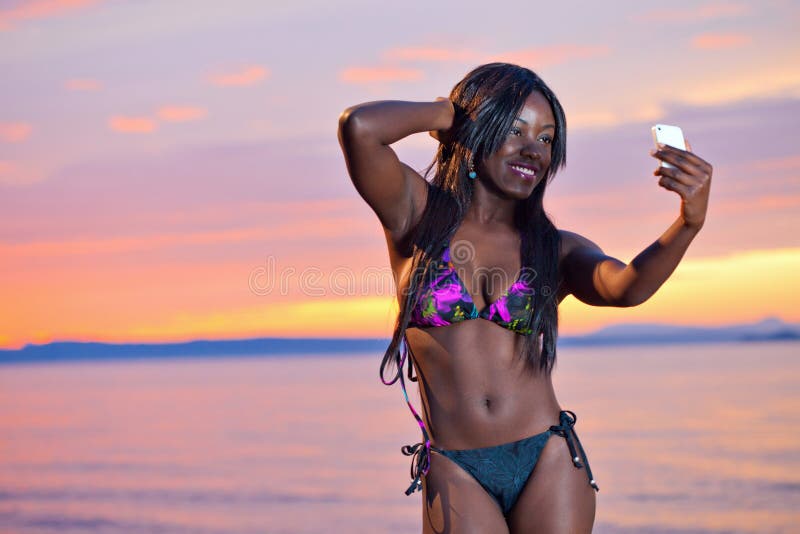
475, 243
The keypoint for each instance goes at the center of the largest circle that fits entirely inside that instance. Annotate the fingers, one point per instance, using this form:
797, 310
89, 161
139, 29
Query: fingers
675, 174
673, 184
689, 175
676, 180
684, 160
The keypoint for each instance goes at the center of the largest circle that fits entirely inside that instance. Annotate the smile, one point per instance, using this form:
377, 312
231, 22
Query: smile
524, 171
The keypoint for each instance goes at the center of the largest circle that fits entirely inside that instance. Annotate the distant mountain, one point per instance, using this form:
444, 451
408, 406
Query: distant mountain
77, 350
769, 329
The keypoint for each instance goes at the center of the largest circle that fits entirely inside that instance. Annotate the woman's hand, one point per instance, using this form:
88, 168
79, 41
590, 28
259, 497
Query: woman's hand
690, 178
443, 135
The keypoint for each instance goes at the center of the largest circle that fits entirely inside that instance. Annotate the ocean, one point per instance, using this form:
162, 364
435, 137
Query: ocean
682, 439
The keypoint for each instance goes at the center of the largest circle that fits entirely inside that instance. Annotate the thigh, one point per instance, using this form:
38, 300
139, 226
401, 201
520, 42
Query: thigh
453, 502
557, 497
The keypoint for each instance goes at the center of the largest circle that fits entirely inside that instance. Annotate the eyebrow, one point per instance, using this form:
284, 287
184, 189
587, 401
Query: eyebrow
523, 121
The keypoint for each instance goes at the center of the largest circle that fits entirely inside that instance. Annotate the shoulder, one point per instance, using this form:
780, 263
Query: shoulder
570, 241
575, 250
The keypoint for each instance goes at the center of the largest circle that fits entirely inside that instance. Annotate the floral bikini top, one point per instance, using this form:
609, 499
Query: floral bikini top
444, 300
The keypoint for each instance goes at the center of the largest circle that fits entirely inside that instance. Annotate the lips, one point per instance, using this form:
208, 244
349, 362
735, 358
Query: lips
524, 170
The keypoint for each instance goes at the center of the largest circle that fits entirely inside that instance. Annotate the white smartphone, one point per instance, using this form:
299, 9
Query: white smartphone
669, 135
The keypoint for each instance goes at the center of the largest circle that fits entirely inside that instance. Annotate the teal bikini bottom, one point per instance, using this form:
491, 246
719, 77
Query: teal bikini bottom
504, 469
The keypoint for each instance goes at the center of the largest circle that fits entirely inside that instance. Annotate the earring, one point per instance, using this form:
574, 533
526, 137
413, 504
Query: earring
472, 174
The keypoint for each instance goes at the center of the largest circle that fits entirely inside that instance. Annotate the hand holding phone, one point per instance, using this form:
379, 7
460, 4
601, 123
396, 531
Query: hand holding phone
668, 135
689, 175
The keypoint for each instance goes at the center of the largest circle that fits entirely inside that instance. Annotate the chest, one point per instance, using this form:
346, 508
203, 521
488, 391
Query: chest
483, 270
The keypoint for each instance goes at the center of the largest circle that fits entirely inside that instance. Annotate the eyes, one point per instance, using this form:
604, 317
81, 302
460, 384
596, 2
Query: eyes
516, 131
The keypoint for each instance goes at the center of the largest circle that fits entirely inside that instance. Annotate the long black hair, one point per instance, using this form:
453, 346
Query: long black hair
487, 100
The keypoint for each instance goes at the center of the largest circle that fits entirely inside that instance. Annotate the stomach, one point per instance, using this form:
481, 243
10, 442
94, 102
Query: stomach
476, 388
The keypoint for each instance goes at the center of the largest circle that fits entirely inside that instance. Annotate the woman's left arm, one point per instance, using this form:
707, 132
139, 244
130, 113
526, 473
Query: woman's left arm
600, 280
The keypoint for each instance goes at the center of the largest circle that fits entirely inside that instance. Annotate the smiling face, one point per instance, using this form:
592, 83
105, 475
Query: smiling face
524, 157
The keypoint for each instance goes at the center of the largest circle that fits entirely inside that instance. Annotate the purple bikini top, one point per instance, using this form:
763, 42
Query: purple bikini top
444, 300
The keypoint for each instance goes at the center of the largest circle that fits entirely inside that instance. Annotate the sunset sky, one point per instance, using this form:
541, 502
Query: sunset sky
170, 170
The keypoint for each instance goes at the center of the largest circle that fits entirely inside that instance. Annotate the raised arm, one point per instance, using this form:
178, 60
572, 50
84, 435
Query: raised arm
600, 280
395, 192
595, 278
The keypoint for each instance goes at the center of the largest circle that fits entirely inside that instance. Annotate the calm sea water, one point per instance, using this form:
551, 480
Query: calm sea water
682, 439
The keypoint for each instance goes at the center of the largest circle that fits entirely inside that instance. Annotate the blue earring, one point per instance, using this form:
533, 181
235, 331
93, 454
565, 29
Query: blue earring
472, 174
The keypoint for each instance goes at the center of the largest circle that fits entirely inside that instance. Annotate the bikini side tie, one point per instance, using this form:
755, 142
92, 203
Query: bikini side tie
420, 463
566, 431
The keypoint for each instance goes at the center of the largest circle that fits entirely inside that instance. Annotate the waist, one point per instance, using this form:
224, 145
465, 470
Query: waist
476, 387
464, 420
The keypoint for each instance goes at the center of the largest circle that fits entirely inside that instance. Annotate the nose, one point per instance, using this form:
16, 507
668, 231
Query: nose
531, 150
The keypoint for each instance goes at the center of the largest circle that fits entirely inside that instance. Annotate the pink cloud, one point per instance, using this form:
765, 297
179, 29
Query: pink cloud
320, 227
83, 84
132, 124
777, 164
181, 113
546, 56
14, 132
379, 74
696, 14
534, 57
718, 41
38, 9
12, 174
421, 53
249, 75
770, 202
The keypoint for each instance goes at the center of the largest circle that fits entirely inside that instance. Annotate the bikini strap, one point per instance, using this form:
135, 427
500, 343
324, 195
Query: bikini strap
421, 452
566, 430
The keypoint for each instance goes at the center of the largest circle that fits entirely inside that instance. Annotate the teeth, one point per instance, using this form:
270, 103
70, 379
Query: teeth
523, 170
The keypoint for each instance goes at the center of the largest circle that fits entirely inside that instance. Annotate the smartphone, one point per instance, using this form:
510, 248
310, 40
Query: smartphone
669, 135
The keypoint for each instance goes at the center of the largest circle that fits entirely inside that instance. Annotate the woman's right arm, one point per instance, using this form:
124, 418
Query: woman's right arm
395, 192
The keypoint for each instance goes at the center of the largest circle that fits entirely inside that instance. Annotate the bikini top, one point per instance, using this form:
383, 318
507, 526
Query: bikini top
444, 300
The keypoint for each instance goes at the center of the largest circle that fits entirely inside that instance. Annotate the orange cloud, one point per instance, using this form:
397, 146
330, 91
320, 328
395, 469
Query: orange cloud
718, 41
379, 74
83, 84
181, 113
132, 124
246, 76
347, 317
38, 9
14, 132
699, 13
707, 291
756, 206
546, 56
152, 304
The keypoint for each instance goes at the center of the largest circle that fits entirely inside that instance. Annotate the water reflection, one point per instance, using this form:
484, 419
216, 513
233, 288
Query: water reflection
694, 438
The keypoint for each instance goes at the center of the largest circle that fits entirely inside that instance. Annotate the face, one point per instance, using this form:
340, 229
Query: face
523, 159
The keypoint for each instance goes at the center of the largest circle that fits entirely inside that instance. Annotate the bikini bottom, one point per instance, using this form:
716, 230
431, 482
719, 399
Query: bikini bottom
504, 469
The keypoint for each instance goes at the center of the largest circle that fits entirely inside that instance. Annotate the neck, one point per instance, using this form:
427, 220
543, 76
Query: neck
489, 206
